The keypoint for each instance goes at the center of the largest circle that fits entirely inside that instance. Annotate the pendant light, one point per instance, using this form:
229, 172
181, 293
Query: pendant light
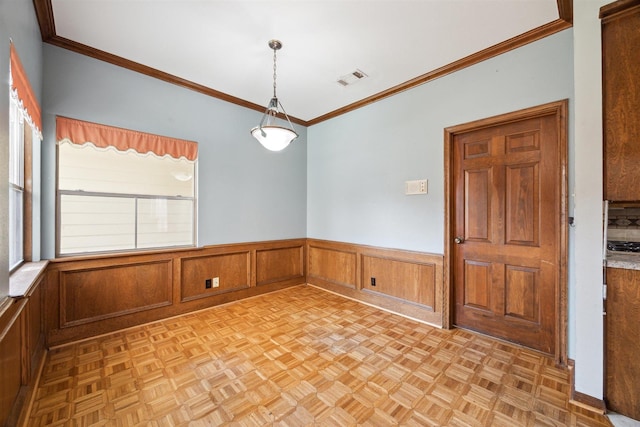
271, 136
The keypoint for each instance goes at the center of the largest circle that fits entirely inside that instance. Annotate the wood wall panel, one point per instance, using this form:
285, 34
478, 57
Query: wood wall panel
34, 330
34, 327
21, 344
277, 264
409, 281
335, 264
92, 294
10, 355
233, 271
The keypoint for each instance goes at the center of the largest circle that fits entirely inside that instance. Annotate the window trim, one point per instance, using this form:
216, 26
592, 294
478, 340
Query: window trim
27, 213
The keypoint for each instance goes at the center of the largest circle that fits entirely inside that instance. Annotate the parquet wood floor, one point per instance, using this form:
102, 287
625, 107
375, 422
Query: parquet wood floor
300, 357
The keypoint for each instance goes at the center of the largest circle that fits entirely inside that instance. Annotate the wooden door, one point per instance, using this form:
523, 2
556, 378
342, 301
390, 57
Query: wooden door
505, 223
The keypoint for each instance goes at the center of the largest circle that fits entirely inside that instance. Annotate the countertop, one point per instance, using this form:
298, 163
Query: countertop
624, 260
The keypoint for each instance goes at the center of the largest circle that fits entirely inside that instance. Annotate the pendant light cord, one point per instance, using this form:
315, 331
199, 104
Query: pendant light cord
274, 73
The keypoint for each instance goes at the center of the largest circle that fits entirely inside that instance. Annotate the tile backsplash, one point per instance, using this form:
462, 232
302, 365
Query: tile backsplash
624, 224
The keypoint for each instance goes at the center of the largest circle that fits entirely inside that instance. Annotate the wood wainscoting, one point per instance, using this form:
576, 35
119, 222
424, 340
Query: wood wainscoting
21, 350
234, 267
10, 355
93, 295
406, 282
88, 296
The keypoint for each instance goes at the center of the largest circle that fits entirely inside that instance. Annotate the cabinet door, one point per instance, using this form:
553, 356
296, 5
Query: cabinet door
622, 385
621, 98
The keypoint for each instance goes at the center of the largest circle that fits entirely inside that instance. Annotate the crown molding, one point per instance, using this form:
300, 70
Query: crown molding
565, 10
483, 55
44, 14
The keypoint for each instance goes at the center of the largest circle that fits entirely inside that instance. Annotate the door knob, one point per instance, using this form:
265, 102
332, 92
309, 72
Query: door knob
458, 240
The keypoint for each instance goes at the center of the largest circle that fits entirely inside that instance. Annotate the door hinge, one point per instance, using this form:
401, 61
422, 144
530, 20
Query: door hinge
604, 291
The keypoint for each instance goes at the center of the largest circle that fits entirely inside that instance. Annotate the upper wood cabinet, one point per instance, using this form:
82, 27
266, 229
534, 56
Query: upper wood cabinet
621, 99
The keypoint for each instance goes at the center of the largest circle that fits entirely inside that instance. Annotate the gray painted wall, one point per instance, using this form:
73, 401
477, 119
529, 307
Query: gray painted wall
358, 162
17, 23
246, 193
586, 296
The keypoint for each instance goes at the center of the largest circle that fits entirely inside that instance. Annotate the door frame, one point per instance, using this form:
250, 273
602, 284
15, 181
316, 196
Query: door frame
559, 109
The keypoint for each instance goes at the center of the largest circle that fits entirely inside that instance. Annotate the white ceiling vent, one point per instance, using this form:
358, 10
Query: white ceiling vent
351, 78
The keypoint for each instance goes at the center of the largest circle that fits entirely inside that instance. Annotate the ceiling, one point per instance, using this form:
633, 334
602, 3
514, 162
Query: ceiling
220, 47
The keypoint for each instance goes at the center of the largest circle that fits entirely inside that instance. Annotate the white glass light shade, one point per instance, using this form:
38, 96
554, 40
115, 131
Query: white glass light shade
273, 138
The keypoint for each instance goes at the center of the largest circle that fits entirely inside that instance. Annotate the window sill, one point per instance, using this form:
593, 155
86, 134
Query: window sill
22, 280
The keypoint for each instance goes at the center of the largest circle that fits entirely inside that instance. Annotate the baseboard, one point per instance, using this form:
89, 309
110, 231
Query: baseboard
400, 308
582, 400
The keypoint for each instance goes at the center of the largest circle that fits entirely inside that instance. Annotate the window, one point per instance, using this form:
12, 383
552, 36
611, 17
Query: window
123, 190
16, 185
24, 134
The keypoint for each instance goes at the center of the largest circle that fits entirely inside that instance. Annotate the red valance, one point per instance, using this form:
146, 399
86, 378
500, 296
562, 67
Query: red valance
80, 132
20, 83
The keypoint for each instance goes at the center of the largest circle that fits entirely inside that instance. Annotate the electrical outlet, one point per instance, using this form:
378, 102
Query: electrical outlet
216, 282
207, 283
373, 281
